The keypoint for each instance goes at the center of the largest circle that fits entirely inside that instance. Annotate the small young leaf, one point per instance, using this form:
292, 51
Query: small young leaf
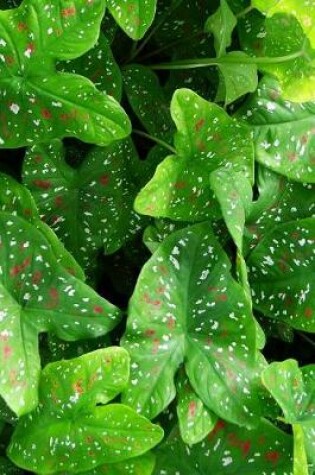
221, 24
281, 270
228, 450
187, 307
207, 139
71, 426
134, 17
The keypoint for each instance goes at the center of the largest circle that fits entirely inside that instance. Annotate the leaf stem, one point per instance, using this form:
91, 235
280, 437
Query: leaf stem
155, 139
306, 338
228, 59
245, 11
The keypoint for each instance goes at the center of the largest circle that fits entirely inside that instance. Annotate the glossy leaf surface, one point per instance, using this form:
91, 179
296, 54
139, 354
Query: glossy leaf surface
133, 17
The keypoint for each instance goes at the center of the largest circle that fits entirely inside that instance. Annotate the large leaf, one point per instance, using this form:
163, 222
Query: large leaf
55, 104
283, 135
228, 450
72, 429
37, 295
303, 10
207, 139
281, 36
133, 17
89, 207
186, 307
295, 395
281, 271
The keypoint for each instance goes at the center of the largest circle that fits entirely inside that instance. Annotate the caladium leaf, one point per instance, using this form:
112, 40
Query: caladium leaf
234, 193
134, 17
194, 418
38, 295
89, 207
283, 135
279, 201
146, 97
99, 66
281, 269
221, 24
16, 199
56, 104
142, 465
281, 36
193, 313
296, 397
207, 139
303, 10
72, 419
228, 450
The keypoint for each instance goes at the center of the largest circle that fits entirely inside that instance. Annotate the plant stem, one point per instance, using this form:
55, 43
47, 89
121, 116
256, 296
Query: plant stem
228, 59
155, 139
158, 25
306, 338
245, 11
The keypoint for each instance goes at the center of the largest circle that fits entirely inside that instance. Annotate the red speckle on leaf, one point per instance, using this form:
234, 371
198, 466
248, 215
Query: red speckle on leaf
43, 184
46, 114
308, 312
58, 201
9, 60
7, 352
98, 309
66, 12
292, 156
200, 146
36, 277
180, 185
156, 344
77, 387
104, 180
272, 456
220, 425
199, 124
149, 332
53, 292
171, 323
221, 298
22, 26
192, 407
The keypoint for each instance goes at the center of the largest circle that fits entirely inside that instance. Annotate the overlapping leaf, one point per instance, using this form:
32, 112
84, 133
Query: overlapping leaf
283, 132
187, 308
37, 295
221, 24
303, 10
89, 207
207, 139
228, 450
72, 428
133, 17
281, 36
295, 395
55, 104
281, 274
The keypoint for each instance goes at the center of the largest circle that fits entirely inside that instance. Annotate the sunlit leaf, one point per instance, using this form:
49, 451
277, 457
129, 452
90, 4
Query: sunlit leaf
134, 17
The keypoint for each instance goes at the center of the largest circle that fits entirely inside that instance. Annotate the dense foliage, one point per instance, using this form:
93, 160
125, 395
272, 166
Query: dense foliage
157, 237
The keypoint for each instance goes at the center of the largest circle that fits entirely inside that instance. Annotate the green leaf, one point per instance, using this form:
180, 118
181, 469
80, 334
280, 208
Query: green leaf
207, 139
283, 134
281, 36
186, 307
89, 207
228, 450
142, 465
296, 397
303, 10
279, 201
281, 269
99, 66
55, 104
133, 17
7, 468
72, 429
221, 24
234, 193
148, 100
39, 295
195, 420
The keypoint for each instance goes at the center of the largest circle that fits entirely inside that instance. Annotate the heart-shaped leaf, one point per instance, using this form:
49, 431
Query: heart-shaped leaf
186, 307
295, 394
303, 10
281, 270
89, 207
281, 36
228, 450
37, 295
283, 132
133, 17
207, 139
72, 428
55, 104
221, 24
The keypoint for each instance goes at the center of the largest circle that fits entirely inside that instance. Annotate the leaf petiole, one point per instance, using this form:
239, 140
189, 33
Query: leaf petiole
155, 139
